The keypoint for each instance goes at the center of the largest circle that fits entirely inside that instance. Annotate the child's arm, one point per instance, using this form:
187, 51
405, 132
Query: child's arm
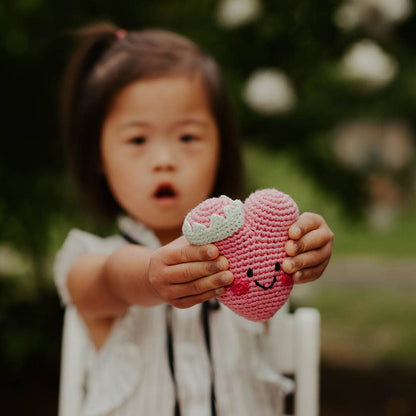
309, 248
179, 274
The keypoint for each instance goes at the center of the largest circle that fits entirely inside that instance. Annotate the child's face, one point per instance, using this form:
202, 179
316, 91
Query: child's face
160, 150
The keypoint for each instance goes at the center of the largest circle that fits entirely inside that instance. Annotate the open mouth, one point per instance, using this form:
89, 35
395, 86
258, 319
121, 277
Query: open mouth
165, 191
266, 287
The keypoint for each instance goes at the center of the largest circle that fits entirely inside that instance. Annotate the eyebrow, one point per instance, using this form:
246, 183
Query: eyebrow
185, 122
192, 121
133, 123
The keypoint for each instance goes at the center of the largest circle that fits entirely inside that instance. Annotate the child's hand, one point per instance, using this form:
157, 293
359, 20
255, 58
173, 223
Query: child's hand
309, 248
184, 275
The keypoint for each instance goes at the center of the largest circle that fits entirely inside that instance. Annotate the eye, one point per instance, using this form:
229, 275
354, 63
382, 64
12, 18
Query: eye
277, 267
250, 273
187, 138
138, 140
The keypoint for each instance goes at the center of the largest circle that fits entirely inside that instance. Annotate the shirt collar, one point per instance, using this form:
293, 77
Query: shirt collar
138, 232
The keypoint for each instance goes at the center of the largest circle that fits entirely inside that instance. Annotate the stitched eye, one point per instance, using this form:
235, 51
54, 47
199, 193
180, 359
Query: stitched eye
277, 267
250, 273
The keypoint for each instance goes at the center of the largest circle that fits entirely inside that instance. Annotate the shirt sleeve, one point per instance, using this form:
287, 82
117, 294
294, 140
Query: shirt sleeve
76, 244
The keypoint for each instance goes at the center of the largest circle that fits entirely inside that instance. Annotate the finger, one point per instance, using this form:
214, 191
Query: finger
202, 285
188, 272
310, 274
308, 259
188, 301
180, 251
310, 241
307, 222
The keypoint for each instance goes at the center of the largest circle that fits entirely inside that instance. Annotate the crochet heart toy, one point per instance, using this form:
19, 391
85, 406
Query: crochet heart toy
252, 236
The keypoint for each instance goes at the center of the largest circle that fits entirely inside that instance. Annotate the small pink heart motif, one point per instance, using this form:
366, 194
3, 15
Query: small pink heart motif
252, 236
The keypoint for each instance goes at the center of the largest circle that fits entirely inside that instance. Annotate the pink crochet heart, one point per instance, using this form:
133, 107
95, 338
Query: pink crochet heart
252, 236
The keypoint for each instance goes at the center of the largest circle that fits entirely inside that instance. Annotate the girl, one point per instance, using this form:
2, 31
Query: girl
150, 134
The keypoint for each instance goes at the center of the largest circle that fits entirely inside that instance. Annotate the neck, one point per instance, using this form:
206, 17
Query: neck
167, 236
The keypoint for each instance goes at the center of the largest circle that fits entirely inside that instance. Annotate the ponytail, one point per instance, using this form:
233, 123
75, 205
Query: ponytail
94, 40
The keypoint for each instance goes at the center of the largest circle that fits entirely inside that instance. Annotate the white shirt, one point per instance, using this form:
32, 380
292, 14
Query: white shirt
129, 375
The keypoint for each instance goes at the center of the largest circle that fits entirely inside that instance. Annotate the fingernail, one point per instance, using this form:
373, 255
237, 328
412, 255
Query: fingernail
226, 278
297, 276
211, 252
295, 247
296, 230
220, 291
215, 266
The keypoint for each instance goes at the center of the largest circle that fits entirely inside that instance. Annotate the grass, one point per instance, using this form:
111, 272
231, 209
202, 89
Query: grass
366, 325
361, 240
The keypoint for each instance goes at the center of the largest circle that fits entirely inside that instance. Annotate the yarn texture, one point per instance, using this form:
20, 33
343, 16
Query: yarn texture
252, 236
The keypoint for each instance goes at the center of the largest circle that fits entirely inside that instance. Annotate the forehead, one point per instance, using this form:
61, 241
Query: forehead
164, 97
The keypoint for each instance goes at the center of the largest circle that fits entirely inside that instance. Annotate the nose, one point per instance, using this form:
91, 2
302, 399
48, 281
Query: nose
164, 159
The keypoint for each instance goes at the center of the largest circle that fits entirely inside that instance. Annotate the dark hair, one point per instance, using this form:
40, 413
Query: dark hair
108, 59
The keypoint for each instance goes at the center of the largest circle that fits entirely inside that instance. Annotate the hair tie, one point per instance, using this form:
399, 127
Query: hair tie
121, 34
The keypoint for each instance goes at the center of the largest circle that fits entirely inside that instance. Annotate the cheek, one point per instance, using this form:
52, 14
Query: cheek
208, 173
123, 182
240, 287
205, 170
286, 279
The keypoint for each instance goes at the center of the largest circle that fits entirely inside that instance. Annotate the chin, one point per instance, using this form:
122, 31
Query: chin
165, 225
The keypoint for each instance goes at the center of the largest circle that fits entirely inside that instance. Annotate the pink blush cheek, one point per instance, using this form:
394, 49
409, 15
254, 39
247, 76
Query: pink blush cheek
240, 287
286, 279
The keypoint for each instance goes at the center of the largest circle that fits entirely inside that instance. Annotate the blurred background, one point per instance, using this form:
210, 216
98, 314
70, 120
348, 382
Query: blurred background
325, 94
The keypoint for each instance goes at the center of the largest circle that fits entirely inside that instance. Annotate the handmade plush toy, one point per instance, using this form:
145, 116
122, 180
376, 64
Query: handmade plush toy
252, 236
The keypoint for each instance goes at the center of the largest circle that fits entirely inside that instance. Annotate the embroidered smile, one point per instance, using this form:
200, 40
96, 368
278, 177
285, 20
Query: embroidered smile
266, 287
